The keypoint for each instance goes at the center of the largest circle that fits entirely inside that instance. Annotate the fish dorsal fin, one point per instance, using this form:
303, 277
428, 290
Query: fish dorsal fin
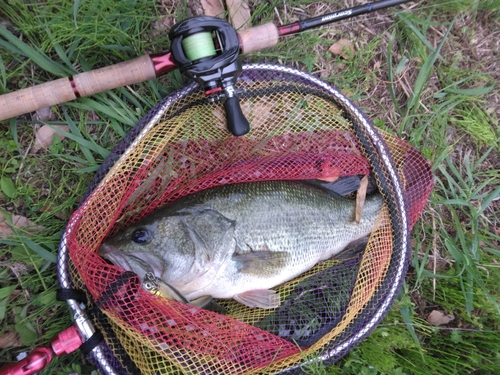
263, 298
261, 263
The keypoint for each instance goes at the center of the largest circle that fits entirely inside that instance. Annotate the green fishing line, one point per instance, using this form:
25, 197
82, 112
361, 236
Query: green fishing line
198, 46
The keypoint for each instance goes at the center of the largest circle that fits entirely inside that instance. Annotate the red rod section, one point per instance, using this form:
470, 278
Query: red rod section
65, 342
292, 28
163, 63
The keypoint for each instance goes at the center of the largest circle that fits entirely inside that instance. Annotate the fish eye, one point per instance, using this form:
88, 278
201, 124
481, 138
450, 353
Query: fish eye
141, 236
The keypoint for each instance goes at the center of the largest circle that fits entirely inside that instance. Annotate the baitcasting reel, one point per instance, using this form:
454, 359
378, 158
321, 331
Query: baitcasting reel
206, 50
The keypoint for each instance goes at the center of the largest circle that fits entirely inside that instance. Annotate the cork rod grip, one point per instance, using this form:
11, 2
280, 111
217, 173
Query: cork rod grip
84, 84
258, 38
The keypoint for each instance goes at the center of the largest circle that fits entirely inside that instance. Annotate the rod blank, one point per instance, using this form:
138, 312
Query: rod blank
327, 19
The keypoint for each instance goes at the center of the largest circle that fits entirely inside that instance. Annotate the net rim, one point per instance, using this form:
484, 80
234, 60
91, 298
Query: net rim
86, 326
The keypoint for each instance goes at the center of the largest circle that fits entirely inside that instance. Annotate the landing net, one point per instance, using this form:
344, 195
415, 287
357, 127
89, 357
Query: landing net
301, 129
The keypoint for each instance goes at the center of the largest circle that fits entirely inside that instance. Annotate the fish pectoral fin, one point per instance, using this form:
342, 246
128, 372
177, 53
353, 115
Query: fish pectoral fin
263, 262
263, 298
208, 303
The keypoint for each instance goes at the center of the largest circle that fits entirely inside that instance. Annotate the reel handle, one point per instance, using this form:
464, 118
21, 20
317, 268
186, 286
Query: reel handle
237, 123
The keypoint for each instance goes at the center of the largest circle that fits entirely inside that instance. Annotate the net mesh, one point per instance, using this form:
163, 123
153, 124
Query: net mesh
299, 131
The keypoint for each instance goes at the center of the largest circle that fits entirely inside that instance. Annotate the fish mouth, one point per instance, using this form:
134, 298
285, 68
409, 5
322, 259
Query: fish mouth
114, 255
137, 264
106, 249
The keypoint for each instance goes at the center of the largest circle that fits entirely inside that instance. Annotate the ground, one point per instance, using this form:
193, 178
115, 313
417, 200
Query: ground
427, 72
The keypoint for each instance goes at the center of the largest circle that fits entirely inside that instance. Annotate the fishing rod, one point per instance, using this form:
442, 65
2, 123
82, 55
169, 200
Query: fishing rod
204, 49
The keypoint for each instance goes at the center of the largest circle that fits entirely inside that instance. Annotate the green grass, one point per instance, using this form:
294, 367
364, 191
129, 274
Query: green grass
423, 74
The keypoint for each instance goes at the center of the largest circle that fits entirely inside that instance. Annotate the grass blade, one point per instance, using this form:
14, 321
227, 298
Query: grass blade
406, 314
421, 82
38, 58
470, 92
74, 129
44, 254
60, 52
3, 76
76, 5
404, 17
390, 73
494, 195
91, 145
93, 105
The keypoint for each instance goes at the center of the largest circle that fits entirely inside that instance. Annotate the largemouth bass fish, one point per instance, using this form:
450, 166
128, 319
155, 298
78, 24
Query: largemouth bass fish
239, 241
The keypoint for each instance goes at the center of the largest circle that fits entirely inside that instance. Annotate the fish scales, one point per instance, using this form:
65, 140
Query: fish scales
239, 240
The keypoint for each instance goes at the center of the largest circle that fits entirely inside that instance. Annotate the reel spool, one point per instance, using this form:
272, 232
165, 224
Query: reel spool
213, 65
